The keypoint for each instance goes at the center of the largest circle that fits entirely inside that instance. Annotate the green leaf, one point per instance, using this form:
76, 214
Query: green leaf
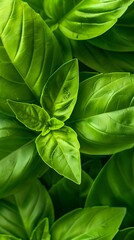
60, 150
89, 223
125, 234
67, 196
21, 213
19, 160
30, 45
12, 85
102, 60
32, 116
104, 111
85, 19
60, 92
8, 237
114, 185
41, 232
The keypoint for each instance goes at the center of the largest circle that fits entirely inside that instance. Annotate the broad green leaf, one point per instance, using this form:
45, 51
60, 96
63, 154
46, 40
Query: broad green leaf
41, 232
121, 34
59, 149
102, 60
59, 94
8, 237
85, 19
89, 223
104, 111
31, 46
67, 196
32, 116
19, 160
21, 213
114, 185
12, 85
125, 234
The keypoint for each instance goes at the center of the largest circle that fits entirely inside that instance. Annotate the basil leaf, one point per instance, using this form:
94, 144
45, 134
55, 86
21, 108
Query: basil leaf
125, 234
90, 223
114, 185
30, 45
103, 112
60, 92
41, 232
12, 85
60, 150
102, 60
8, 237
21, 213
31, 115
85, 19
67, 196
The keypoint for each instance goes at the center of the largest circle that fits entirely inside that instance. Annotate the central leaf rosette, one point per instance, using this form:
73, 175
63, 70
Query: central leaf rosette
56, 143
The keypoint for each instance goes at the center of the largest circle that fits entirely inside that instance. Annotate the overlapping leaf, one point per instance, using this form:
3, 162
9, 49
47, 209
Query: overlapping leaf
30, 45
90, 223
85, 19
125, 234
114, 186
103, 116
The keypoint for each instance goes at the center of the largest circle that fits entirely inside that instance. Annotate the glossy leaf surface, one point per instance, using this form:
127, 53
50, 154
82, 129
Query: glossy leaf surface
114, 185
90, 223
30, 45
32, 116
85, 19
21, 213
60, 92
104, 111
60, 150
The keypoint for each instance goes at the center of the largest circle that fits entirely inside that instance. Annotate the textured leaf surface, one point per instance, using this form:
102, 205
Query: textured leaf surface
103, 116
30, 44
114, 186
90, 223
60, 92
85, 19
60, 150
20, 214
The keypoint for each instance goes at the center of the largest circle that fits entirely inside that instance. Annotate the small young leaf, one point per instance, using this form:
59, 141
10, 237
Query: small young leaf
60, 150
60, 92
89, 223
41, 232
31, 115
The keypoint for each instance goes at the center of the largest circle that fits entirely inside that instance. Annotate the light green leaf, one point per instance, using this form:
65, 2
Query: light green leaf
114, 185
41, 232
89, 223
32, 116
67, 196
20, 214
60, 150
30, 44
103, 116
19, 160
60, 92
102, 60
8, 237
125, 234
86, 19
12, 85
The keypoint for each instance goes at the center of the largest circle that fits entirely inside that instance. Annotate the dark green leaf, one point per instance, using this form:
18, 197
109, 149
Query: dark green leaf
60, 150
114, 186
41, 232
85, 19
60, 92
125, 234
31, 115
30, 44
67, 196
90, 223
103, 116
21, 213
